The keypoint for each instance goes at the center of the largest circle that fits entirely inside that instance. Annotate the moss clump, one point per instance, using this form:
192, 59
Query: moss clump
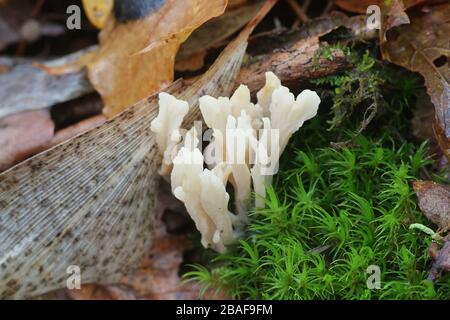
370, 86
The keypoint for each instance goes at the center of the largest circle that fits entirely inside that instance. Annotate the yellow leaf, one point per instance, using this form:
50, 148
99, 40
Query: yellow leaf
98, 11
137, 58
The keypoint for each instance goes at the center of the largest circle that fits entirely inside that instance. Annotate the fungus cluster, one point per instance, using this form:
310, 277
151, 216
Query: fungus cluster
246, 141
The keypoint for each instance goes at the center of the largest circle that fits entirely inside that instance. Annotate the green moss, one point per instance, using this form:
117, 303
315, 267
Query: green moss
333, 212
328, 218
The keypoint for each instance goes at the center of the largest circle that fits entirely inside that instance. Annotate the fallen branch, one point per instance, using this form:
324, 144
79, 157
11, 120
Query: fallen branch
294, 65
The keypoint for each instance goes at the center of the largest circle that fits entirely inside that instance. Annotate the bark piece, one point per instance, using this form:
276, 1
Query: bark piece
293, 65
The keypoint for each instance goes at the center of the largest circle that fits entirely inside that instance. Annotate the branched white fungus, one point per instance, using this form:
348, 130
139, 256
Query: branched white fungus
166, 126
265, 94
246, 145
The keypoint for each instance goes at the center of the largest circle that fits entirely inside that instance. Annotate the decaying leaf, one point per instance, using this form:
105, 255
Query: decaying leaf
434, 201
98, 11
423, 46
25, 87
137, 58
94, 194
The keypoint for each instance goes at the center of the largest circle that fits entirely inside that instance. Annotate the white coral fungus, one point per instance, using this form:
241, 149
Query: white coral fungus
247, 142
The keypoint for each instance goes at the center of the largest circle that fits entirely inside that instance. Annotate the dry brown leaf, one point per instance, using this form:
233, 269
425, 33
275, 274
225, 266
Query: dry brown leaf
360, 6
434, 201
423, 46
137, 58
392, 15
